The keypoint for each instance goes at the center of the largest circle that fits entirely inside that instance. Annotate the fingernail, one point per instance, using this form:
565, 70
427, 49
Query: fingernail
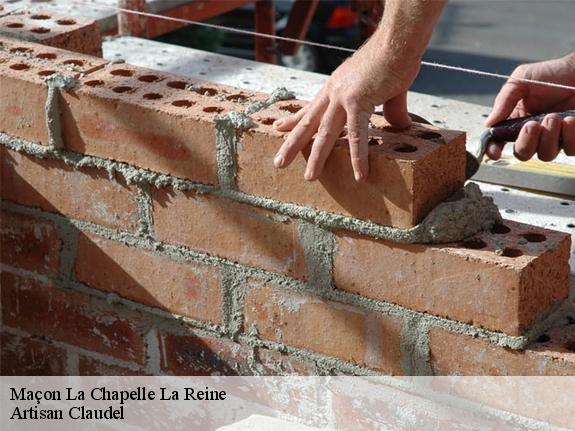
278, 123
279, 161
358, 176
308, 175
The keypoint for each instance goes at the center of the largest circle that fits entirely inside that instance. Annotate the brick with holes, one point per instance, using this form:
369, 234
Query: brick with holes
76, 34
410, 171
24, 68
503, 280
162, 123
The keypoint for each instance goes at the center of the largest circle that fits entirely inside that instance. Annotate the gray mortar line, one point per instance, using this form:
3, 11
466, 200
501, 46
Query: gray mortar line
450, 221
145, 211
56, 83
414, 346
319, 248
233, 283
69, 237
184, 254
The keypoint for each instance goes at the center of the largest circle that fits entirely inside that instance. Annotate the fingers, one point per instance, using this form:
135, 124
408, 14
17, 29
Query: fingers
548, 147
301, 134
527, 141
568, 135
330, 127
357, 134
505, 101
288, 123
395, 111
494, 150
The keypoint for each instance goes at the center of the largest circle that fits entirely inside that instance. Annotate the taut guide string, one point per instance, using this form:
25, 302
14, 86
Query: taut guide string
316, 44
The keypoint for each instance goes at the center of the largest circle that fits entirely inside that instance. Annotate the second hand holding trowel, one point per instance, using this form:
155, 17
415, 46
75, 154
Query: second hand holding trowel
533, 174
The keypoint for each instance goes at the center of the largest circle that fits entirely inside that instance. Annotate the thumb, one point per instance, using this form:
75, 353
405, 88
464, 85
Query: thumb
395, 111
506, 101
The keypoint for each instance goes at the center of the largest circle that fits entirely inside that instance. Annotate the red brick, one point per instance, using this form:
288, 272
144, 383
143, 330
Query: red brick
60, 31
460, 281
85, 194
71, 317
26, 356
161, 125
94, 367
307, 322
23, 69
274, 363
29, 243
202, 356
190, 289
401, 189
462, 355
225, 228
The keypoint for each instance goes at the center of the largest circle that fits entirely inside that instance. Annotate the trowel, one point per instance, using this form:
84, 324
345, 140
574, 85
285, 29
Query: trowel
533, 174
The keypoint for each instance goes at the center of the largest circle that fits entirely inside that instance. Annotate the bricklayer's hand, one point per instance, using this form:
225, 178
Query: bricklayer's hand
349, 98
517, 99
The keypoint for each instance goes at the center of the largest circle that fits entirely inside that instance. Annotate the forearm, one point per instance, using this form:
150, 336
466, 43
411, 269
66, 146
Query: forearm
405, 30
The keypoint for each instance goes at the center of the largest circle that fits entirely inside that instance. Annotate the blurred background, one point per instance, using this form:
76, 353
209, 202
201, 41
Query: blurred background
491, 35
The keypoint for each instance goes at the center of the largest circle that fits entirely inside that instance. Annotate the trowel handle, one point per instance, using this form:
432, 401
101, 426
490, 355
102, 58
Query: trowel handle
508, 130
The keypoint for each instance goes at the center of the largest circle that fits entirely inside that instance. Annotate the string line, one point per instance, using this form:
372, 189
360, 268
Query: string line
320, 45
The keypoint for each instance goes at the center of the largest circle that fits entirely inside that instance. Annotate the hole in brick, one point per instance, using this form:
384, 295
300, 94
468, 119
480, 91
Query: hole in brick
180, 85
570, 346
20, 66
152, 96
571, 225
570, 320
66, 21
292, 107
534, 237
236, 98
14, 25
46, 72
543, 338
428, 135
373, 141
213, 109
267, 121
20, 49
121, 72
74, 62
499, 228
511, 252
40, 30
183, 103
405, 148
94, 83
474, 243
564, 203
40, 16
121, 89
47, 56
206, 91
390, 129
148, 78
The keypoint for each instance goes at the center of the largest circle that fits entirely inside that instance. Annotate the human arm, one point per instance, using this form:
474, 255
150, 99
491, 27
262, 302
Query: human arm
380, 72
517, 99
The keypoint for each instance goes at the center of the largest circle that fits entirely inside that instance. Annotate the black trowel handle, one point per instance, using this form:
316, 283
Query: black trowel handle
508, 130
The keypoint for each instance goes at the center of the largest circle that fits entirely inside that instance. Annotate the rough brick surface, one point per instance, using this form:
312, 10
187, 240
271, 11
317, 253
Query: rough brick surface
29, 243
202, 356
552, 355
468, 282
27, 356
228, 229
85, 194
94, 367
189, 289
72, 34
161, 125
72, 317
23, 69
401, 189
326, 327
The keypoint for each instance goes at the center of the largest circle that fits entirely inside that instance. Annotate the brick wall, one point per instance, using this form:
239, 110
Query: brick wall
158, 239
